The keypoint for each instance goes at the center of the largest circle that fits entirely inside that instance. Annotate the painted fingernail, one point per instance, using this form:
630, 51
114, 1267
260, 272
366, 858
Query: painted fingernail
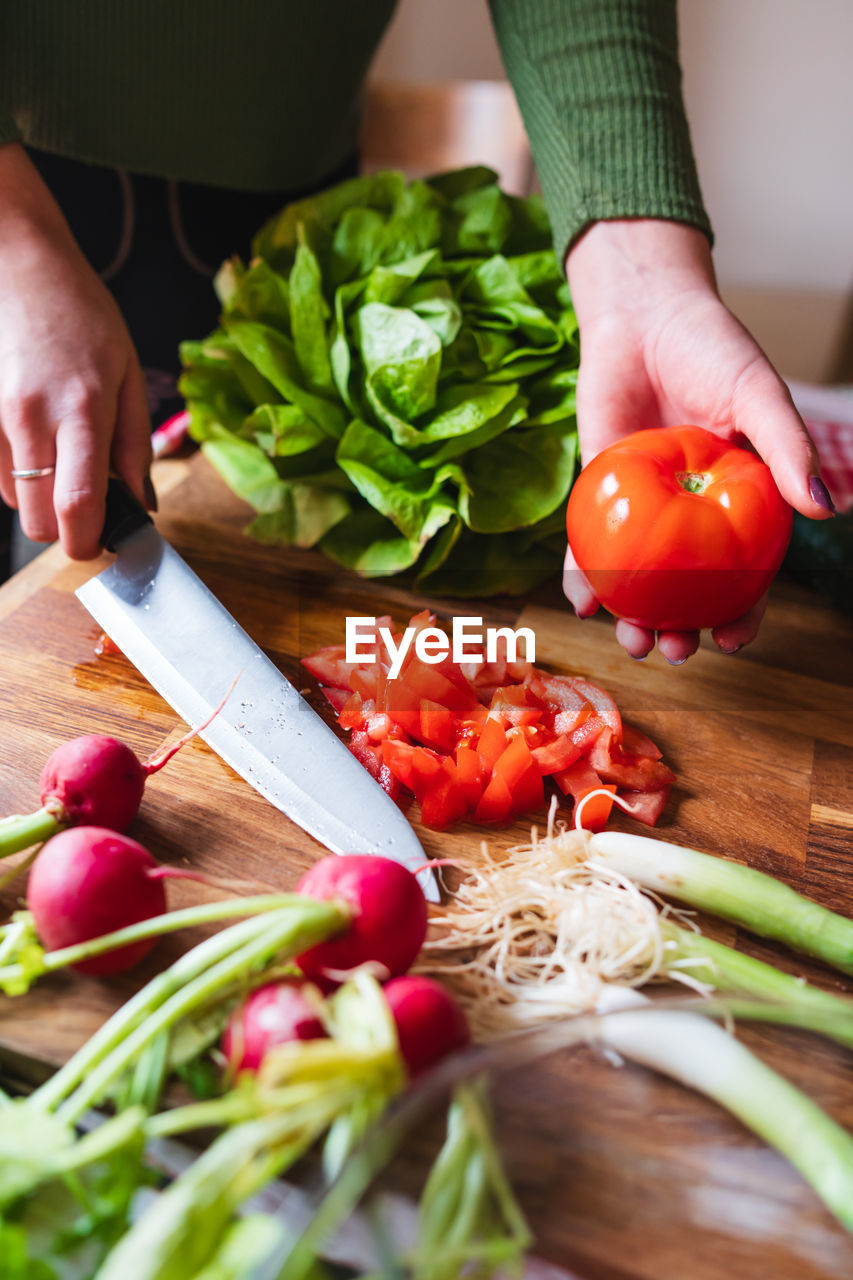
676, 662
638, 657
729, 649
820, 494
150, 495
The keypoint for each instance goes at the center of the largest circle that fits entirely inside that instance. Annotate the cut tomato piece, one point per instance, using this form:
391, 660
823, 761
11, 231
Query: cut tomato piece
492, 744
470, 774
438, 725
423, 681
445, 799
352, 714
426, 766
566, 721
337, 697
603, 703
638, 773
379, 725
369, 754
329, 666
647, 806
514, 704
577, 779
365, 680
638, 744
518, 769
495, 804
596, 811
397, 756
556, 755
588, 733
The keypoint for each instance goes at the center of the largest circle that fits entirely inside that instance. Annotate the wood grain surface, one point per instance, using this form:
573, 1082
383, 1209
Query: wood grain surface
624, 1176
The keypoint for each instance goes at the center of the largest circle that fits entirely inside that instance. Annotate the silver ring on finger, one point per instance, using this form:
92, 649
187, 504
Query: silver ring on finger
32, 473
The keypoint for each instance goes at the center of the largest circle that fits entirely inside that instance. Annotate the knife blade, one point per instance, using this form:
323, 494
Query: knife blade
186, 644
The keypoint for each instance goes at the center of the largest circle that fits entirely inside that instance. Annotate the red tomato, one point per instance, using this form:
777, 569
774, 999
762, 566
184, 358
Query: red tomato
676, 529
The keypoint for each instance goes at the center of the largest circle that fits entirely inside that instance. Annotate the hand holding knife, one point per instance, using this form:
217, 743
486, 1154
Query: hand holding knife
187, 645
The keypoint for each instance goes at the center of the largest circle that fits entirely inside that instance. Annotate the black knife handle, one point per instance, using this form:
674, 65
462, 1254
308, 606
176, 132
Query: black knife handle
124, 514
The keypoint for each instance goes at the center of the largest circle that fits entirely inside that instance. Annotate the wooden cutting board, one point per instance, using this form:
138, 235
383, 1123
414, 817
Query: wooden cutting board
623, 1175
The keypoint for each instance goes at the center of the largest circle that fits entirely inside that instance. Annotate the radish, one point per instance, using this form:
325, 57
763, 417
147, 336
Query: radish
389, 914
93, 780
88, 881
274, 1014
430, 1024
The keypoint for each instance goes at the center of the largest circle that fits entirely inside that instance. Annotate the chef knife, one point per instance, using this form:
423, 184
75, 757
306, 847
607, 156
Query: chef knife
187, 645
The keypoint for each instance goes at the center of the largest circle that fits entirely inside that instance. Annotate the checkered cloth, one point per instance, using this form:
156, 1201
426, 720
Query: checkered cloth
828, 414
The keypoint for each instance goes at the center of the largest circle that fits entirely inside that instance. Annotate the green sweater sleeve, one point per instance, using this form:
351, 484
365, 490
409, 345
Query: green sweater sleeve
598, 83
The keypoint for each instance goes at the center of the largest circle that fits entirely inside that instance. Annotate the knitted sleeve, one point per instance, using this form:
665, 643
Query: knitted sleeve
598, 83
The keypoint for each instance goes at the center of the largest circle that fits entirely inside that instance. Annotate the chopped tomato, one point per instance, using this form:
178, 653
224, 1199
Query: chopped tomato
397, 756
446, 800
437, 725
647, 806
596, 811
557, 754
351, 715
577, 779
337, 697
495, 804
330, 667
370, 755
479, 739
518, 769
640, 773
604, 705
514, 704
638, 744
470, 773
492, 743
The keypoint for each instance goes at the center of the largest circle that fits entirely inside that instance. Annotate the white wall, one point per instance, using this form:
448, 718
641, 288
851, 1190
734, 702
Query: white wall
769, 92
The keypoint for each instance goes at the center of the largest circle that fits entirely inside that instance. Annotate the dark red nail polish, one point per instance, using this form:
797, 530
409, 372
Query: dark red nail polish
150, 495
820, 494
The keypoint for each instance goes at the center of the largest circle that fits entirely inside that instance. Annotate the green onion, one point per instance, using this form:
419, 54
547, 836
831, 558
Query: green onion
730, 890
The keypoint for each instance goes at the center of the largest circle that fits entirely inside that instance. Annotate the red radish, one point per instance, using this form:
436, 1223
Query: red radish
272, 1015
430, 1024
88, 881
389, 914
93, 780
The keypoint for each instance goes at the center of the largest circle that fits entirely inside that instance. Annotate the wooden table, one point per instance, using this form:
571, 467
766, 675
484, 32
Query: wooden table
623, 1175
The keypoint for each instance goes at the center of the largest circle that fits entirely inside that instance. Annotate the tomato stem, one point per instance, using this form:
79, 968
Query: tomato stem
693, 481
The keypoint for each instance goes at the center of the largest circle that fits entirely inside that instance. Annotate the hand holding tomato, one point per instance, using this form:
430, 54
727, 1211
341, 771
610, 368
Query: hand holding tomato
674, 529
658, 349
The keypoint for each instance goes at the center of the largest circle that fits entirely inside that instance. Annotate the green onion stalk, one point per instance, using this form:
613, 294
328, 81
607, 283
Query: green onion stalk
336, 1087
702, 1055
468, 1213
37, 1137
776, 996
730, 890
23, 960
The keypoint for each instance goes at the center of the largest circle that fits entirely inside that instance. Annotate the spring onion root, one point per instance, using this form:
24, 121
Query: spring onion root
537, 933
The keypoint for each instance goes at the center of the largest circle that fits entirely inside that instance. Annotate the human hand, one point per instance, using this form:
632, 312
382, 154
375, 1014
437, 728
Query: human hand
659, 349
72, 394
